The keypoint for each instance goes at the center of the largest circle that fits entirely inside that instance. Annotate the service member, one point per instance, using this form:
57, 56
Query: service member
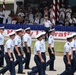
9, 48
27, 41
1, 46
38, 57
51, 50
47, 26
67, 56
17, 51
74, 54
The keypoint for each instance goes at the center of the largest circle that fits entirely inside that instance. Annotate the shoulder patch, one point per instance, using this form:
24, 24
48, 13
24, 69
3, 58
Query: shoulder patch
68, 43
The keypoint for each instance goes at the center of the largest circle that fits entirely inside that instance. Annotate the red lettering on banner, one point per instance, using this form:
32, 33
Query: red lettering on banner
37, 32
31, 33
9, 31
55, 34
69, 33
60, 35
65, 34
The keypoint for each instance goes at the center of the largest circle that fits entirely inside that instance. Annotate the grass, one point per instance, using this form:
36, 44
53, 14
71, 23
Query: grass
59, 46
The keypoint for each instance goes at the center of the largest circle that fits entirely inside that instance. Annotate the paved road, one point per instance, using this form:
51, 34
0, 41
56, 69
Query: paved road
59, 66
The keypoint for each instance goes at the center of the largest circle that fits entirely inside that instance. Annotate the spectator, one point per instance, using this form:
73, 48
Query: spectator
9, 19
69, 12
14, 19
31, 19
41, 20
26, 20
39, 14
21, 13
67, 21
62, 12
46, 11
36, 20
73, 21
61, 20
20, 19
47, 24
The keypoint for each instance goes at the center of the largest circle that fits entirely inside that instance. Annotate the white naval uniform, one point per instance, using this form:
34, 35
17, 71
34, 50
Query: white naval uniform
51, 41
9, 44
67, 48
74, 45
47, 23
17, 41
43, 47
1, 39
27, 38
37, 47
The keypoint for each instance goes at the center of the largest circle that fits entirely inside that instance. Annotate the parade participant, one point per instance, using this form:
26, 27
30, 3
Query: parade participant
47, 25
67, 56
17, 51
27, 41
51, 50
1, 47
9, 47
39, 60
73, 63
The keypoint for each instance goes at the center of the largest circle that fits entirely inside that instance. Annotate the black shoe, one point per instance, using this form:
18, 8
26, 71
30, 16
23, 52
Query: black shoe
28, 68
28, 73
53, 70
21, 72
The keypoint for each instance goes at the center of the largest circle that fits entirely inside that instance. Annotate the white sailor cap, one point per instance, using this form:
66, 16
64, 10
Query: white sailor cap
39, 35
74, 34
18, 30
12, 33
43, 33
27, 28
2, 27
74, 49
69, 36
51, 30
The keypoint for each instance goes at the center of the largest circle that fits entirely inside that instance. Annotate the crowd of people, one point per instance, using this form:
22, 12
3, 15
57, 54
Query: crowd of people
36, 16
23, 55
16, 53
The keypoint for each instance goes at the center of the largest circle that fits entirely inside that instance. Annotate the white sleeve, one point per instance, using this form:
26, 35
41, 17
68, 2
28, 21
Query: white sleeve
25, 39
38, 47
49, 22
8, 45
49, 41
16, 42
67, 49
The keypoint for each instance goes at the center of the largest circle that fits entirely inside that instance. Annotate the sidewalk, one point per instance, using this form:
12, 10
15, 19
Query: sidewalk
59, 66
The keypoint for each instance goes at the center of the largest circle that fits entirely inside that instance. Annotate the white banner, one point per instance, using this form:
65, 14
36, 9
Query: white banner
58, 34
